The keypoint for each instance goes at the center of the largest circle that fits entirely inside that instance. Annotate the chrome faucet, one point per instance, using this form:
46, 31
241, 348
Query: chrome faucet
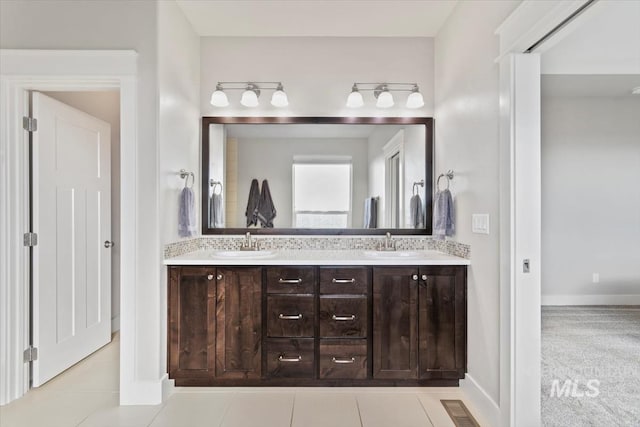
249, 244
388, 245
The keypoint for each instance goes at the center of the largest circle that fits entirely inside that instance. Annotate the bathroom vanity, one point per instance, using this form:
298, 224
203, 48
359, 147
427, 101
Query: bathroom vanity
317, 318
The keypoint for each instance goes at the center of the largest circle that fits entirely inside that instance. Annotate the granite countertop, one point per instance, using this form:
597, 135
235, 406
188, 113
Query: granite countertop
317, 257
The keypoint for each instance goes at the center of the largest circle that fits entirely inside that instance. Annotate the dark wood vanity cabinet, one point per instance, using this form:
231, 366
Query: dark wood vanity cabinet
419, 322
290, 325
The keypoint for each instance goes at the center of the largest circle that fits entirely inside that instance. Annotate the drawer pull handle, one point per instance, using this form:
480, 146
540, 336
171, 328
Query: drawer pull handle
334, 280
290, 281
343, 318
284, 358
343, 361
290, 316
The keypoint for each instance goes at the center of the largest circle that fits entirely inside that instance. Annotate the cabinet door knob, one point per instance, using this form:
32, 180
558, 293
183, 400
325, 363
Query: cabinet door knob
219, 277
210, 277
414, 277
424, 277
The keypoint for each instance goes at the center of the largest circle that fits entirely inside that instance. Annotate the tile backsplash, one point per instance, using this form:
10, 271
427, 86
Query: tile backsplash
316, 243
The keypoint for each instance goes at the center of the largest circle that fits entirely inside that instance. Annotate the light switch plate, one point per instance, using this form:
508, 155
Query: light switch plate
480, 223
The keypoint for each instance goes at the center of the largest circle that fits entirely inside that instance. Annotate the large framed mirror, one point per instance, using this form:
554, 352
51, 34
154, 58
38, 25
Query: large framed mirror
317, 175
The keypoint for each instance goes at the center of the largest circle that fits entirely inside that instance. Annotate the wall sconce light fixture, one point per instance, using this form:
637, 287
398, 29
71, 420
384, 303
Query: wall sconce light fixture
382, 93
250, 94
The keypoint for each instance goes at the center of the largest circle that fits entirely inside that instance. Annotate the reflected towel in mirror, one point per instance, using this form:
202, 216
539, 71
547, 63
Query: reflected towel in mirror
252, 204
266, 211
370, 212
415, 211
215, 211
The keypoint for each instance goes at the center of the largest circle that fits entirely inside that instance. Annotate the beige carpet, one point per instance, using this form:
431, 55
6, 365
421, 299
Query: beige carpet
591, 366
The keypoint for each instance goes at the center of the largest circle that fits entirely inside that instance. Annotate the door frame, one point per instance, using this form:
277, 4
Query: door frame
58, 70
521, 206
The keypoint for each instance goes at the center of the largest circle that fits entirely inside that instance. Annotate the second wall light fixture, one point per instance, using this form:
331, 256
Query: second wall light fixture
382, 93
250, 94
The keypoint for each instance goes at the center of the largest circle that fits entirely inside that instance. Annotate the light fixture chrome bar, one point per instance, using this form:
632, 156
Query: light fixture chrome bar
384, 83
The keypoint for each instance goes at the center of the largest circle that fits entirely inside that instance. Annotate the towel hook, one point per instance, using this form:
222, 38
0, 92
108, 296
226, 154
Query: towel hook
213, 184
420, 183
185, 175
449, 175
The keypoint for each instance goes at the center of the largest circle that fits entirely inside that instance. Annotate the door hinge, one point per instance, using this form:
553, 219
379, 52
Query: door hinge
30, 354
30, 239
30, 124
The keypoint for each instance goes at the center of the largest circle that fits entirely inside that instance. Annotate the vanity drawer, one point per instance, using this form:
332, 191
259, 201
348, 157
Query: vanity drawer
343, 316
344, 280
343, 359
291, 280
290, 315
290, 358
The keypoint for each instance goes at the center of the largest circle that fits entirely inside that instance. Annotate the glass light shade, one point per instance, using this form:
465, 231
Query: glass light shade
355, 100
279, 98
415, 100
219, 99
385, 100
249, 98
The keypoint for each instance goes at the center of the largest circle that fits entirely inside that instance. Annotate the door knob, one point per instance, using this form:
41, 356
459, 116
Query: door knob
108, 244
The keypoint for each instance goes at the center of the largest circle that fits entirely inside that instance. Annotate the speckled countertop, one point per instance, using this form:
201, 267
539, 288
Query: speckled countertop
316, 257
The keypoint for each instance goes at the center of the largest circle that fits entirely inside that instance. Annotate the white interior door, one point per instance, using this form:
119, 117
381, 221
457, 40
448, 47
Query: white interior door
71, 215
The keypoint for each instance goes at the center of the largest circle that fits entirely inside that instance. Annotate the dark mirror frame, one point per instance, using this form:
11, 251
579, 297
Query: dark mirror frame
428, 181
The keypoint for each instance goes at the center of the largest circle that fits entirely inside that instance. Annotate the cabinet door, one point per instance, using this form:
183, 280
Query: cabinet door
395, 323
191, 326
442, 322
238, 316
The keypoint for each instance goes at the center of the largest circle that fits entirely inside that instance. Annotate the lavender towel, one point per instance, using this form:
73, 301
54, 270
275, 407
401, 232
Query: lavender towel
266, 210
252, 204
443, 215
186, 214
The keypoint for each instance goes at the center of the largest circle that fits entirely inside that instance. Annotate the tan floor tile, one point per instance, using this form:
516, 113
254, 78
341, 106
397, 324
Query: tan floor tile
392, 409
323, 409
261, 409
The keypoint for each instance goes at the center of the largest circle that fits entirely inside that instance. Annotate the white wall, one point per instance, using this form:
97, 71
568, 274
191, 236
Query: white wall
467, 137
590, 198
105, 106
317, 73
257, 160
178, 134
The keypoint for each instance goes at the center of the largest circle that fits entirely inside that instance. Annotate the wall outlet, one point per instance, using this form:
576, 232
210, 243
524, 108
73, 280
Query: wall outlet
596, 277
480, 223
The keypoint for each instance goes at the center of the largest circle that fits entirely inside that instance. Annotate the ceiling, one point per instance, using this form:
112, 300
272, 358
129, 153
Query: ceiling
589, 85
313, 18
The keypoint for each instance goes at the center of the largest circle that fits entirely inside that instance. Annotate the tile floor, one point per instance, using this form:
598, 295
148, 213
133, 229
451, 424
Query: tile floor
86, 395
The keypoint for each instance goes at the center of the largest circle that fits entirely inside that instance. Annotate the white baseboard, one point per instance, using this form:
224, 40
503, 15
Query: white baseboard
590, 299
168, 387
483, 407
115, 324
141, 392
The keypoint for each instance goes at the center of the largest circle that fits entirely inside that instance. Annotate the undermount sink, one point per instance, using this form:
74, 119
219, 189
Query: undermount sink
392, 254
243, 254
